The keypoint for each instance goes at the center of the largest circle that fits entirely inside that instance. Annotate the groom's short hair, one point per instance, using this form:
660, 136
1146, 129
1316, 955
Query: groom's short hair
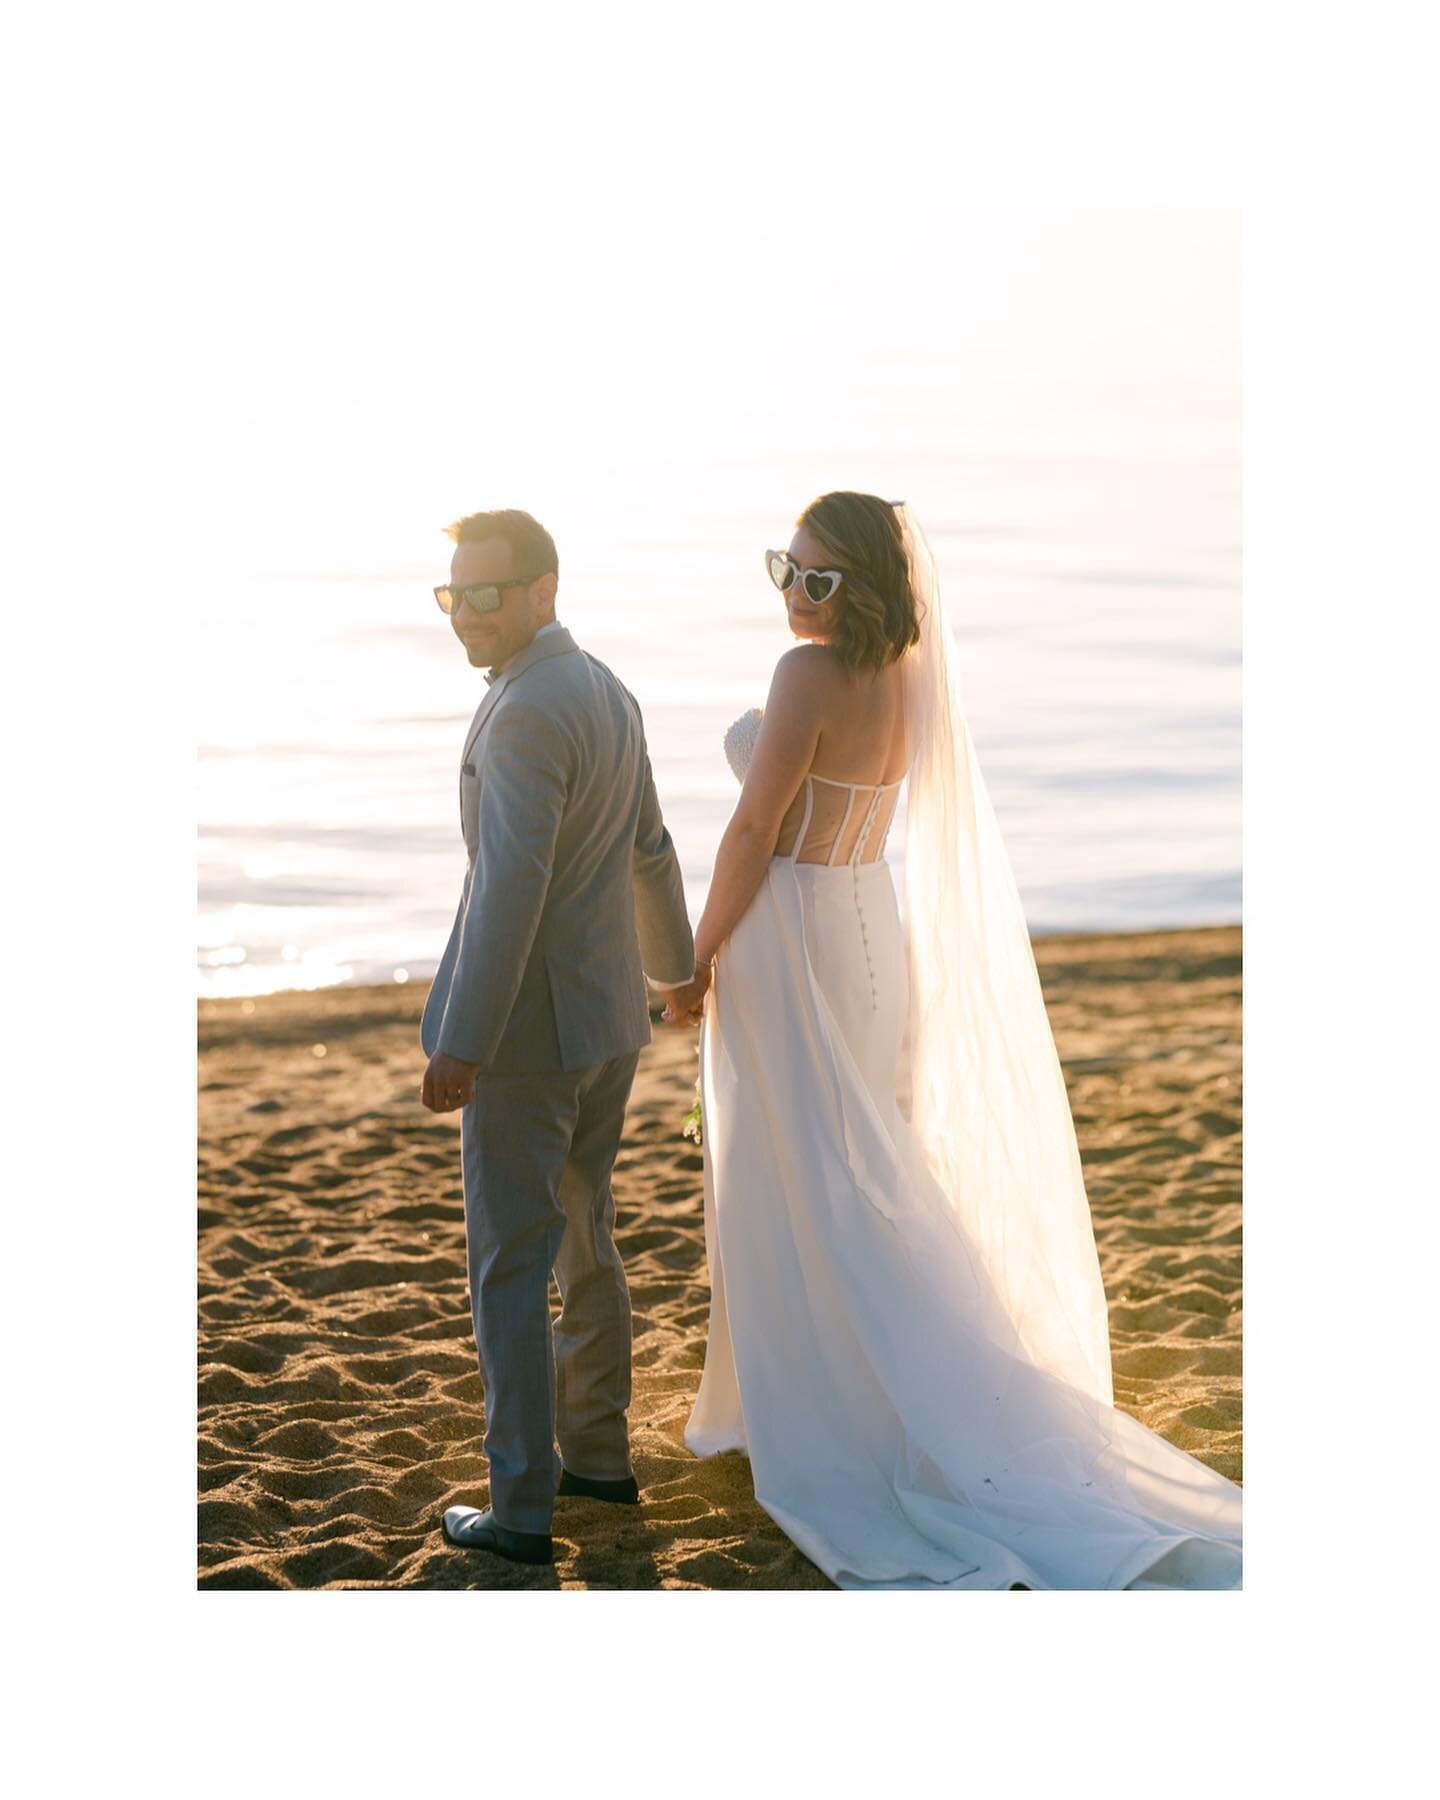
530, 543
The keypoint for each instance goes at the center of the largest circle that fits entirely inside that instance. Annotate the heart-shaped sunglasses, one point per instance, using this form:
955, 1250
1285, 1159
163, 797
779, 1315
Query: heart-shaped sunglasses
817, 585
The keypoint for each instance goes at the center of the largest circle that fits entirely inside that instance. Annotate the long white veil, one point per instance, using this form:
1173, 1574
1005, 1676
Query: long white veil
989, 1106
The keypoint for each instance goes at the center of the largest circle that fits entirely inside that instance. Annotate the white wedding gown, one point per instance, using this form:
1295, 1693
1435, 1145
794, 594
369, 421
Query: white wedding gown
898, 1427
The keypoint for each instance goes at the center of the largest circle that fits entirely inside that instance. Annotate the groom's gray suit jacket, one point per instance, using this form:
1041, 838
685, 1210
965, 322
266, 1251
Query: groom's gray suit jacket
573, 892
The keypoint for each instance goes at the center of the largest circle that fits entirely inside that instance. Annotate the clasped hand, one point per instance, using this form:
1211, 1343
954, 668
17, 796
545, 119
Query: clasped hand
684, 1005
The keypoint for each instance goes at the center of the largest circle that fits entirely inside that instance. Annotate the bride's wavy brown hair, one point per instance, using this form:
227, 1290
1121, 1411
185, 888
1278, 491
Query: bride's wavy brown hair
878, 620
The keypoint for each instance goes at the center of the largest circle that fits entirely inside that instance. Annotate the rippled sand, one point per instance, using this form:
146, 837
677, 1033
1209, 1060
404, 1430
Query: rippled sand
340, 1404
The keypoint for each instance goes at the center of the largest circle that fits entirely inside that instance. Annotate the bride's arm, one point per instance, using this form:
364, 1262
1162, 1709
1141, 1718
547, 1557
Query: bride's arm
784, 751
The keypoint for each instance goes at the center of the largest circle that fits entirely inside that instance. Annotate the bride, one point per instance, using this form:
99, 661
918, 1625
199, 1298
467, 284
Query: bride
908, 1335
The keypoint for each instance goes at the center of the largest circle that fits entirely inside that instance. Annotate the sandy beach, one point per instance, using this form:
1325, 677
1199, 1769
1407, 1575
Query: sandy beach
340, 1405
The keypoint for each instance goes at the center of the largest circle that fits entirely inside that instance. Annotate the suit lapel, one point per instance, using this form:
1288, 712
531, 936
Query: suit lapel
483, 711
554, 643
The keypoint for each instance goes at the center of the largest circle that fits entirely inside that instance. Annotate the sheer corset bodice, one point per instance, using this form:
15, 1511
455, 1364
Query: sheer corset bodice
837, 822
828, 822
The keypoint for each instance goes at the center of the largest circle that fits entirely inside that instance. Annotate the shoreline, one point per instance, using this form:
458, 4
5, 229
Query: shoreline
422, 980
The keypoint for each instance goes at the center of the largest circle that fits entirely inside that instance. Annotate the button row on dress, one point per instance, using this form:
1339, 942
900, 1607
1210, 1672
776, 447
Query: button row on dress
865, 940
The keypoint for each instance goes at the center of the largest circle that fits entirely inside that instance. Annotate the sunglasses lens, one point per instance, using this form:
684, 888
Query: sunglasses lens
483, 599
782, 572
820, 584
445, 600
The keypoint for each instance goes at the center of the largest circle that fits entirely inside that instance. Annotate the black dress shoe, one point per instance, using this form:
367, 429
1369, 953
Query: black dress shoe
625, 1491
470, 1529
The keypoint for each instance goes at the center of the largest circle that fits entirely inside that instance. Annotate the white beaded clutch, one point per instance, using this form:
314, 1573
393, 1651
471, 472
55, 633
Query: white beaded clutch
740, 741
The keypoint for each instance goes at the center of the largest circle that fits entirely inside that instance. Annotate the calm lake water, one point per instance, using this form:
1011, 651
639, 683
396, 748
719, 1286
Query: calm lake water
1087, 538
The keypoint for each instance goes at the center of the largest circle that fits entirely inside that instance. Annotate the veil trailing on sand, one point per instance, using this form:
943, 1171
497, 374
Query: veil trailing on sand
989, 1106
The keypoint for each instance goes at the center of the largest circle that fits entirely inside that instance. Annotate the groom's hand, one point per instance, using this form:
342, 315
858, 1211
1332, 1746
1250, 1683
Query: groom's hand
683, 1006
449, 1083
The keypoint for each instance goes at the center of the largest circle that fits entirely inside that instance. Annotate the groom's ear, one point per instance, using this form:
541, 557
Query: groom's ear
546, 587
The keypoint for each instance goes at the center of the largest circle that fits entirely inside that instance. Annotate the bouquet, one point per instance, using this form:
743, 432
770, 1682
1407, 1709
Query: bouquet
692, 1125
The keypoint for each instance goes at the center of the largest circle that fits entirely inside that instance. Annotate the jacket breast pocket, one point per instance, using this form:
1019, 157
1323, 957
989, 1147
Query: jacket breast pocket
470, 805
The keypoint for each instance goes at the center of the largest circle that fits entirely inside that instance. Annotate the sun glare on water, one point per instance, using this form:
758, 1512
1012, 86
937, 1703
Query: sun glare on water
1057, 396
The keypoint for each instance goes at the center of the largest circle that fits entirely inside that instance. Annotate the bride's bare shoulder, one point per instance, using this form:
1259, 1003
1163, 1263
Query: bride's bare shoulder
811, 671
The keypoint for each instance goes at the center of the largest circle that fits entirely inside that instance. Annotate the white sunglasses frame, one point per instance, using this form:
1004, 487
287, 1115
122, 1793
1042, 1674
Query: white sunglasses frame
799, 574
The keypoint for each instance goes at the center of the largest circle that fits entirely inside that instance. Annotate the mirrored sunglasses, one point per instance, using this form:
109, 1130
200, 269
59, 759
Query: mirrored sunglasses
482, 598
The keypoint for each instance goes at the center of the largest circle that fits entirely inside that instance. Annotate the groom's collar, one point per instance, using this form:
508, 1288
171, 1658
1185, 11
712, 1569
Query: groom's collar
544, 644
550, 640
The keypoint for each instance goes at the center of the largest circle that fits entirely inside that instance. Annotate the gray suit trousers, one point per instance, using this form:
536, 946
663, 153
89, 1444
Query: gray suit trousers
537, 1151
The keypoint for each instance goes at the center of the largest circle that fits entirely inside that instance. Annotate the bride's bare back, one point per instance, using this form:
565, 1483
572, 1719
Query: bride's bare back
848, 798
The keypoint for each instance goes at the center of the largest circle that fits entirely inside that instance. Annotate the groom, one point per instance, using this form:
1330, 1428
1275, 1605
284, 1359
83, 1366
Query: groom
534, 1025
